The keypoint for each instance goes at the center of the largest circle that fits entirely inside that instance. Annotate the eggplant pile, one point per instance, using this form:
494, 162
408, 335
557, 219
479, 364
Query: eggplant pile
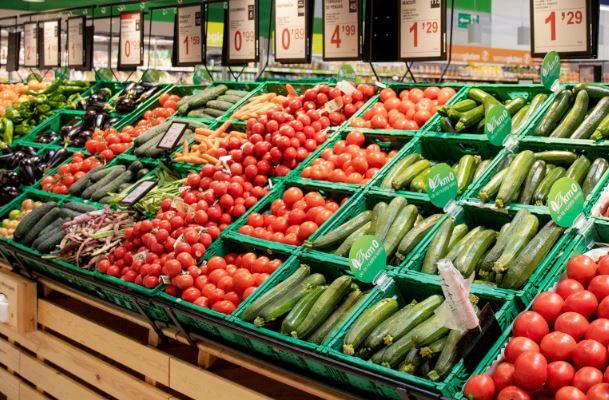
96, 101
78, 131
134, 94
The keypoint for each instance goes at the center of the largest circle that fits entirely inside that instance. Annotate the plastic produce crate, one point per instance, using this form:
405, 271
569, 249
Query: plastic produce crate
53, 123
163, 87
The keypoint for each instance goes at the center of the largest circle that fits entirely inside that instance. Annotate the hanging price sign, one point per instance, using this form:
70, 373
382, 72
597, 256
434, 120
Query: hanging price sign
422, 30
560, 25
342, 30
190, 36
30, 44
292, 30
242, 28
131, 38
50, 44
76, 42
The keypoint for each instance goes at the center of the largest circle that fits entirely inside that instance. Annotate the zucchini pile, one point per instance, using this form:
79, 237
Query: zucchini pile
304, 306
99, 182
398, 225
412, 339
146, 143
527, 177
411, 173
210, 103
581, 113
42, 230
468, 116
507, 257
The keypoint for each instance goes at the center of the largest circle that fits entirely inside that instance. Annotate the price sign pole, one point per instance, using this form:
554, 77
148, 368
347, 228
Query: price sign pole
342, 30
422, 30
190, 46
292, 31
131, 38
50, 46
241, 31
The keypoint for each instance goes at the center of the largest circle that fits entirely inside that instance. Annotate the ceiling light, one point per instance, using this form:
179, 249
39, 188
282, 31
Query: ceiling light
34, 1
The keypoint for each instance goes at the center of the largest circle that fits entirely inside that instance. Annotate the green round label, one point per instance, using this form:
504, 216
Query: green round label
550, 70
498, 124
367, 258
441, 184
565, 202
346, 73
200, 76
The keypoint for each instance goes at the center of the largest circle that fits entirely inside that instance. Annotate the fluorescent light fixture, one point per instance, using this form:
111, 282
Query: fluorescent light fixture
34, 1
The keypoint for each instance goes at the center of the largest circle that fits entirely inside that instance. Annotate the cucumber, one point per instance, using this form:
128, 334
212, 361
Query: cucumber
531, 256
438, 247
80, 185
490, 190
200, 99
402, 224
579, 169
462, 244
481, 167
282, 305
557, 110
339, 234
385, 220
219, 105
594, 91
458, 232
411, 318
343, 249
514, 177
48, 230
574, 117
502, 238
213, 112
403, 179
415, 235
465, 171
412, 361
378, 210
32, 219
152, 132
543, 190
535, 104
470, 118
595, 173
514, 105
300, 311
534, 178
229, 98
237, 93
376, 338
399, 168
560, 157
112, 186
113, 174
592, 120
329, 300
366, 323
199, 113
277, 291
51, 241
353, 299
468, 261
433, 349
519, 116
419, 183
33, 232
447, 357
521, 235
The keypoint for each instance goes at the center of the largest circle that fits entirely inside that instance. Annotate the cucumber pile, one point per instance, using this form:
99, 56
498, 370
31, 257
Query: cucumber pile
506, 257
411, 173
210, 103
527, 177
411, 339
578, 113
305, 306
398, 225
146, 143
468, 116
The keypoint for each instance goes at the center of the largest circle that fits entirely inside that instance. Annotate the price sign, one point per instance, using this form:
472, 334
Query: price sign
50, 44
12, 57
422, 30
172, 136
76, 42
138, 192
292, 44
131, 37
30, 44
342, 30
242, 28
190, 36
560, 25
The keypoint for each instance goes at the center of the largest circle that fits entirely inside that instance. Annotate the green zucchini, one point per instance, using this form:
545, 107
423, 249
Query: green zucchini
366, 323
461, 106
378, 210
543, 190
602, 130
343, 249
468, 261
438, 247
521, 235
514, 105
433, 349
465, 171
339, 234
412, 361
402, 180
411, 318
557, 110
31, 219
419, 183
592, 120
470, 118
535, 104
502, 238
339, 315
377, 357
402, 224
481, 167
574, 117
385, 220
514, 177
481, 96
462, 244
398, 169
560, 157
447, 357
594, 91
519, 116
301, 310
595, 173
458, 232
446, 125
579, 169
429, 331
415, 235
534, 178
490, 190
376, 338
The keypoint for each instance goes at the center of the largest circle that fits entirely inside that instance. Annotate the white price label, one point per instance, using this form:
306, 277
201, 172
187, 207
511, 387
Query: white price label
76, 40
560, 25
242, 31
172, 135
341, 29
131, 33
50, 41
30, 44
190, 35
291, 44
421, 33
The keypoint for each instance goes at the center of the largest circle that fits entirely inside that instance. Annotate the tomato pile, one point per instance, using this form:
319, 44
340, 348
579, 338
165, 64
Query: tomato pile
408, 111
348, 161
559, 347
69, 173
292, 219
317, 98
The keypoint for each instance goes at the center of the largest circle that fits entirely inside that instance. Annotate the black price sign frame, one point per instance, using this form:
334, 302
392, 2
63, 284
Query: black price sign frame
174, 135
84, 50
592, 17
140, 191
130, 67
360, 34
175, 51
12, 52
308, 35
443, 52
42, 44
243, 61
35, 64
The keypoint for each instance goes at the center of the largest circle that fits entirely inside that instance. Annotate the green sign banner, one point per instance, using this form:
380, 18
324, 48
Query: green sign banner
441, 185
367, 258
550, 71
498, 124
565, 202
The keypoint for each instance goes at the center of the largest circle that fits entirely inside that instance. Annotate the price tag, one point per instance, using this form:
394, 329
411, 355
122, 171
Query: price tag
50, 43
190, 44
422, 30
131, 37
292, 31
172, 136
76, 42
441, 185
498, 124
341, 30
30, 44
367, 258
565, 202
561, 25
242, 31
138, 192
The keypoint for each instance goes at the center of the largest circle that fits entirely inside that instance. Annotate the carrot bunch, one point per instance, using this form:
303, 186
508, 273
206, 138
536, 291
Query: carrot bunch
209, 145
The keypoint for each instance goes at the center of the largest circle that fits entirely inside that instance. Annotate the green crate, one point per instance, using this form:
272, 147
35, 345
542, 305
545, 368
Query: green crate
405, 288
144, 105
53, 123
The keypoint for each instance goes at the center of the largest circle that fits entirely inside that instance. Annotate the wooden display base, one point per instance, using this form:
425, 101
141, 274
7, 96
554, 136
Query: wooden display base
84, 349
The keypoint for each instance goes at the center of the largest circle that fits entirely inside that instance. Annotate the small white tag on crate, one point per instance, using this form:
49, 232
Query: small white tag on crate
224, 161
380, 84
510, 142
334, 105
450, 207
270, 181
457, 311
383, 281
346, 87
165, 279
141, 255
580, 222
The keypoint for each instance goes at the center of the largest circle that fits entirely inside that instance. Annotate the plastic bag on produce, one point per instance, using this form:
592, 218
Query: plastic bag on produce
597, 253
457, 311
602, 204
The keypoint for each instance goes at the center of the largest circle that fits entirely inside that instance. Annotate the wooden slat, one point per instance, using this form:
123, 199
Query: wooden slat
9, 385
52, 381
204, 385
27, 392
146, 360
9, 355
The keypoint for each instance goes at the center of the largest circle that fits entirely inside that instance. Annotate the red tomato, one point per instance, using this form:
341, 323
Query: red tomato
558, 346
603, 265
224, 307
292, 195
581, 268
599, 286
431, 92
569, 393
599, 330
513, 393
387, 94
590, 353
532, 325
480, 387
567, 287
572, 323
518, 345
379, 122
530, 370
549, 305
587, 377
421, 117
560, 373
392, 103
600, 391
356, 137
183, 281
503, 375
306, 229
191, 294
445, 94
583, 302
415, 95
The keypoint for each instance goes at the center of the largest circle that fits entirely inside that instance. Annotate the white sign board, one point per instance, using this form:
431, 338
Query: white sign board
50, 44
422, 30
30, 44
560, 25
76, 42
131, 51
242, 31
190, 35
341, 30
291, 31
